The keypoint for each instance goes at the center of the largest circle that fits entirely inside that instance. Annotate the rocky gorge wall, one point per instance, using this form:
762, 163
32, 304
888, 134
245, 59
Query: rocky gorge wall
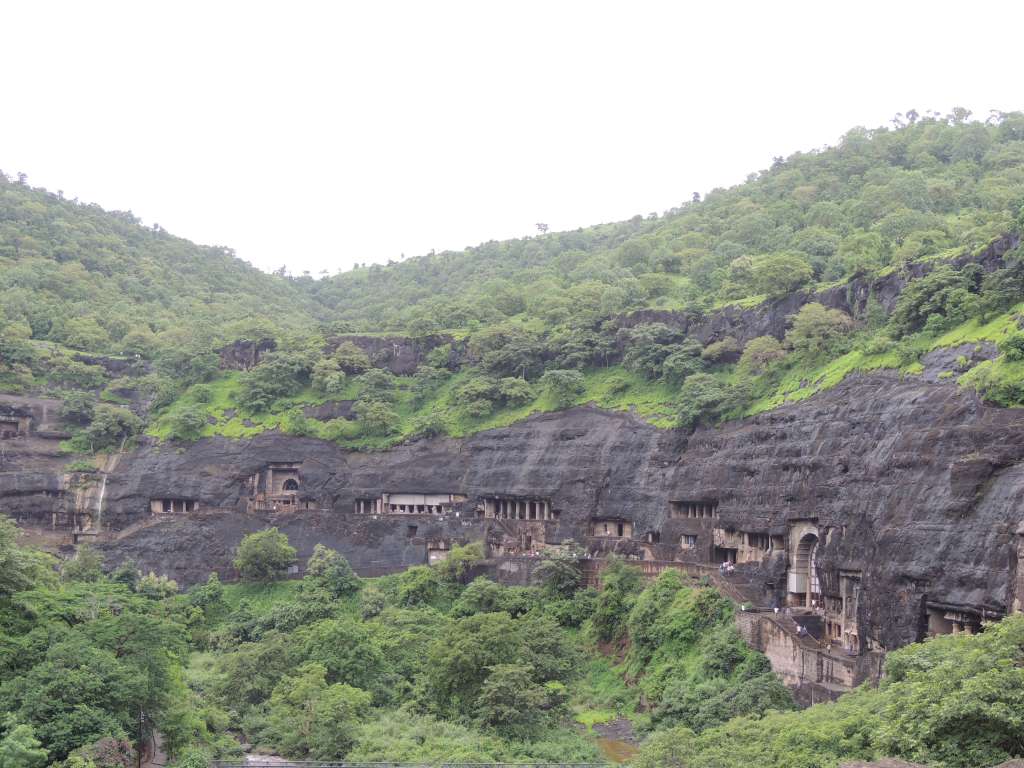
914, 484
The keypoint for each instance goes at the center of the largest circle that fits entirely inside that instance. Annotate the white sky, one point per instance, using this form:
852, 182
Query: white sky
319, 135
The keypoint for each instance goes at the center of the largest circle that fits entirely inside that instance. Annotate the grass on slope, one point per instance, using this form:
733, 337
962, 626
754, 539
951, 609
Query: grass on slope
261, 597
800, 383
975, 330
611, 388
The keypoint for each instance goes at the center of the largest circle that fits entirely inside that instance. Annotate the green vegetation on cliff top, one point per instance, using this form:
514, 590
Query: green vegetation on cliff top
94, 305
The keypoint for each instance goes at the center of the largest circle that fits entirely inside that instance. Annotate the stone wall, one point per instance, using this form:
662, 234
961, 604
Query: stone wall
812, 673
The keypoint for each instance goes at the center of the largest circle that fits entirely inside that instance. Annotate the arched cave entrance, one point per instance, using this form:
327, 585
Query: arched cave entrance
290, 485
804, 566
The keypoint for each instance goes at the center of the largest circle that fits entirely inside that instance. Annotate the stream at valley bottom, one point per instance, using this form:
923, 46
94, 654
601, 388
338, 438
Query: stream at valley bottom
616, 740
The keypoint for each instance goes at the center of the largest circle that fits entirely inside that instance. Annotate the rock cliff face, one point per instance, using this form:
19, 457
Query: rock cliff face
913, 485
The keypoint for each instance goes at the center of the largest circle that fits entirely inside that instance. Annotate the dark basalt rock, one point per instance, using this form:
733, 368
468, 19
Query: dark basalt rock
917, 485
401, 355
332, 409
244, 354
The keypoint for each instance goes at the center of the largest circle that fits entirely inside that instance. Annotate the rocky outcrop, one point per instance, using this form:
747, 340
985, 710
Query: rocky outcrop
244, 354
772, 318
401, 355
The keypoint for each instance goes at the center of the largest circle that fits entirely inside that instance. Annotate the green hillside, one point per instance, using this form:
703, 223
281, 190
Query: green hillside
529, 325
879, 198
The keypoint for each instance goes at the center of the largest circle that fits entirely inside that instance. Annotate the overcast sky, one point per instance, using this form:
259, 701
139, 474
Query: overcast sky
319, 135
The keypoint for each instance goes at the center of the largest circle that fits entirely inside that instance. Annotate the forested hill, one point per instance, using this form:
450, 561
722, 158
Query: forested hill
507, 329
880, 198
84, 277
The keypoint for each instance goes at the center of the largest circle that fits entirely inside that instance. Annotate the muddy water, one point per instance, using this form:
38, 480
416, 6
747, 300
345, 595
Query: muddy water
616, 750
616, 741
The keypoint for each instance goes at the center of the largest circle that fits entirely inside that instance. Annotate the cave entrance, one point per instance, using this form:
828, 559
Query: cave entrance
803, 577
291, 484
725, 555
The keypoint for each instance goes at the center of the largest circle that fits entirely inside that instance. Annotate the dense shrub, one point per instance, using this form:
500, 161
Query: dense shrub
264, 556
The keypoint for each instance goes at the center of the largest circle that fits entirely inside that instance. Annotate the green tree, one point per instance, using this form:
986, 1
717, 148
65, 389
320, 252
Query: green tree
156, 587
264, 556
945, 293
459, 660
511, 702
328, 571
816, 330
21, 749
563, 387
110, 427
351, 359
327, 376
378, 386
702, 399
349, 651
460, 560
20, 567
278, 375
71, 373
721, 351
777, 274
620, 585
559, 575
87, 334
309, 718
376, 417
86, 565
77, 407
515, 391
186, 423
139, 341
760, 353
76, 695
648, 345
684, 361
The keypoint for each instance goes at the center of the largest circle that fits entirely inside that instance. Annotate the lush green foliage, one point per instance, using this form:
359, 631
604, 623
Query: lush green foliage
950, 701
419, 667
267, 555
86, 662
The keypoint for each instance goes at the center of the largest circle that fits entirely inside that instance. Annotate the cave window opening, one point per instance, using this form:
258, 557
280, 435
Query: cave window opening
291, 484
688, 541
759, 541
725, 555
